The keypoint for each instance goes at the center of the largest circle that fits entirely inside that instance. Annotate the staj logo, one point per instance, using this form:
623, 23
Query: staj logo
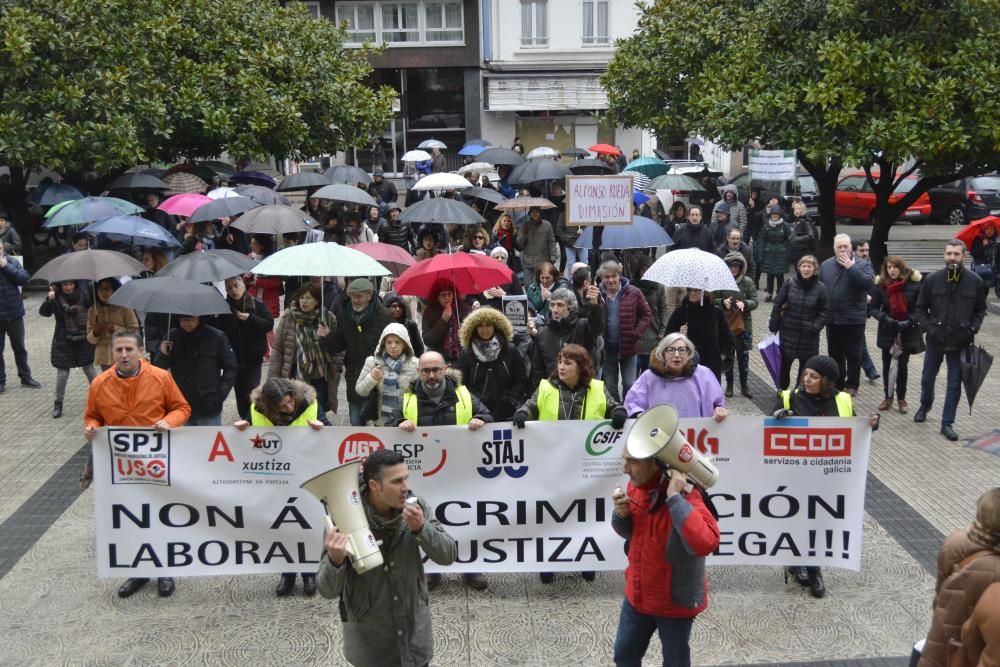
139, 456
357, 447
500, 454
794, 437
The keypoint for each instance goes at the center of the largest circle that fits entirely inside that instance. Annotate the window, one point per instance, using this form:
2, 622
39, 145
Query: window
400, 22
534, 23
360, 19
443, 21
595, 21
411, 23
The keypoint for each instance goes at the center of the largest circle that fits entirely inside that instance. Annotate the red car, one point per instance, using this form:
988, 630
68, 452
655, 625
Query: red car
856, 201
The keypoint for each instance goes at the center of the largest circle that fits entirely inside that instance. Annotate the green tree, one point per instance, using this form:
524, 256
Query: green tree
105, 84
895, 87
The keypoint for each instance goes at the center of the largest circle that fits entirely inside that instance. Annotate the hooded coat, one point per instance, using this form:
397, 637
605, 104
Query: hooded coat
69, 351
413, 331
800, 312
908, 330
748, 291
501, 384
771, 245
737, 211
366, 383
266, 411
441, 413
707, 329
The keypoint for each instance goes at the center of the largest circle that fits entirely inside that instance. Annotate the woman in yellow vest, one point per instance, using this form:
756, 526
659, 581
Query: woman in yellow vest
571, 393
817, 396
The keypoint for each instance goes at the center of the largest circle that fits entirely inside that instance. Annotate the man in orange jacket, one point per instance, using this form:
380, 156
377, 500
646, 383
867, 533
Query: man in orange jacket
134, 393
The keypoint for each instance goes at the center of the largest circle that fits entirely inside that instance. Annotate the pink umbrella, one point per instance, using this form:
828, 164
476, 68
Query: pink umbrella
392, 257
183, 204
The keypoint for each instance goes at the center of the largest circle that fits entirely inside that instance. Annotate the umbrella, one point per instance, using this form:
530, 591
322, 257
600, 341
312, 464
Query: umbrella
471, 150
477, 168
642, 233
349, 174
208, 266
133, 230
203, 172
180, 182
488, 195
273, 219
88, 209
976, 362
470, 274
691, 268
649, 166
590, 168
415, 156
221, 168
890, 377
393, 258
227, 207
303, 181
222, 193
89, 265
253, 178
676, 182
538, 170
54, 193
442, 181
576, 152
770, 351
972, 230
496, 156
428, 144
170, 295
639, 198
605, 149
261, 195
542, 152
320, 259
183, 205
138, 182
524, 203
695, 140
347, 194
441, 210
478, 142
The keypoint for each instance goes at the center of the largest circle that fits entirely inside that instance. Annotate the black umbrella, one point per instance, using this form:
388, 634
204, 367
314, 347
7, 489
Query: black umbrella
488, 195
590, 168
538, 170
346, 173
138, 182
303, 181
170, 295
261, 195
227, 207
497, 156
348, 194
976, 364
89, 265
273, 219
442, 210
208, 266
576, 152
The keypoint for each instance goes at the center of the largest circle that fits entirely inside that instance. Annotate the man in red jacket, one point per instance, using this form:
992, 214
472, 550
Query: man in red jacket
668, 534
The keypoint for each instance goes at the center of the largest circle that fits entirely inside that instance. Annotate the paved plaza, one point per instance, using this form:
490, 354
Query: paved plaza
55, 611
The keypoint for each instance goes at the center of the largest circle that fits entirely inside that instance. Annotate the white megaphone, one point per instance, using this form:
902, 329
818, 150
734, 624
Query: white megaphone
337, 489
655, 434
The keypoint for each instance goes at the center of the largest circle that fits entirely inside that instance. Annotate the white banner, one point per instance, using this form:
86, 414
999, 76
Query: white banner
772, 165
206, 501
599, 200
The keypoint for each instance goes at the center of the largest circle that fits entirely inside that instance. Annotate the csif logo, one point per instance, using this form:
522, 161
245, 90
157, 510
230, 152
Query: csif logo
602, 439
794, 437
357, 447
502, 454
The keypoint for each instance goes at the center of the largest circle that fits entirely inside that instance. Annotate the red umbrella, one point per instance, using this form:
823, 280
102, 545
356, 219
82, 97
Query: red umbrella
972, 230
392, 257
470, 274
605, 149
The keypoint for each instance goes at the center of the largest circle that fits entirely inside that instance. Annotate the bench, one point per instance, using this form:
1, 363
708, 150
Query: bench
921, 254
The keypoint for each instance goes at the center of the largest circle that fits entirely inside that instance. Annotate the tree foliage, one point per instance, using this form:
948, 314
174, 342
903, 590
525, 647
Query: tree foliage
873, 83
104, 84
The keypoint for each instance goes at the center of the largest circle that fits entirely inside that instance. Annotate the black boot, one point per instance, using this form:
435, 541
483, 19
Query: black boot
308, 584
798, 575
546, 577
57, 410
816, 586
285, 585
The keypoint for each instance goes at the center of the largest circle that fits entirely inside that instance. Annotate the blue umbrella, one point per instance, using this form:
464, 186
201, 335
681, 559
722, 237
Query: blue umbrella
88, 209
639, 198
642, 233
134, 230
471, 150
54, 193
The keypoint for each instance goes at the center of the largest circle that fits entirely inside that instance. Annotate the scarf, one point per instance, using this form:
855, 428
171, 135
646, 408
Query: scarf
391, 395
310, 358
452, 346
984, 538
384, 528
505, 238
898, 310
954, 276
774, 223
74, 315
486, 351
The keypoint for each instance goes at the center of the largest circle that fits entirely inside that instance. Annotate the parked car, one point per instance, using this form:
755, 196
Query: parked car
855, 199
787, 192
966, 199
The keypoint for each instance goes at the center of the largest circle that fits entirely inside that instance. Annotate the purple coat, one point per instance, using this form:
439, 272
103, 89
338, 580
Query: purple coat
694, 396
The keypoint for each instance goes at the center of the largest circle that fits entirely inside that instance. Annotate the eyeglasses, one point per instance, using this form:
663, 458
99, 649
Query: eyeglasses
431, 371
670, 351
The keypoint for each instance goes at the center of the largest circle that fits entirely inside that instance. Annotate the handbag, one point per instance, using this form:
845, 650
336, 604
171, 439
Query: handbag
734, 318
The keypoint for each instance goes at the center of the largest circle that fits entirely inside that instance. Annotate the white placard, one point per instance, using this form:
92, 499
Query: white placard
599, 200
772, 165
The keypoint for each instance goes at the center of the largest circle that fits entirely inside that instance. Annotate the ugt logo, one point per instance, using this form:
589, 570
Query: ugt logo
499, 455
140, 457
357, 446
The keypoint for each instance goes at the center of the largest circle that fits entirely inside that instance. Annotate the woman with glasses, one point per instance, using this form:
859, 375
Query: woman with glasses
676, 377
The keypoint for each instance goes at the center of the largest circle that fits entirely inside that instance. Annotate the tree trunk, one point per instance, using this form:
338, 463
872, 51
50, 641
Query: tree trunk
826, 174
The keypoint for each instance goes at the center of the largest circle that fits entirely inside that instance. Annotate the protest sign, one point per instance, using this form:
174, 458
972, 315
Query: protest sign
599, 200
772, 165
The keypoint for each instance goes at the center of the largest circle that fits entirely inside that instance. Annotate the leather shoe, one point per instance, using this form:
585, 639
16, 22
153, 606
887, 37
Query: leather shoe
546, 577
285, 585
852, 391
477, 582
729, 391
30, 382
885, 404
588, 575
131, 586
903, 409
816, 586
165, 586
57, 410
433, 581
799, 575
949, 432
746, 392
309, 584
921, 415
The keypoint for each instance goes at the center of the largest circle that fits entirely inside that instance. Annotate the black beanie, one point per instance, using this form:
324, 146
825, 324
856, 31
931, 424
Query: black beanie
825, 366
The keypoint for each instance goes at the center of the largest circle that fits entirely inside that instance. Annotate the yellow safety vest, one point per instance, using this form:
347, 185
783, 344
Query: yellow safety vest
463, 409
310, 413
595, 405
845, 407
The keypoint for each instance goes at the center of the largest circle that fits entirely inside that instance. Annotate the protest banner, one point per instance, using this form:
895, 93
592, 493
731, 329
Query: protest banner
217, 501
599, 200
772, 165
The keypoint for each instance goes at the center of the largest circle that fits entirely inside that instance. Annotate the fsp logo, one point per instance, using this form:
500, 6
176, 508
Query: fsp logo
499, 455
797, 438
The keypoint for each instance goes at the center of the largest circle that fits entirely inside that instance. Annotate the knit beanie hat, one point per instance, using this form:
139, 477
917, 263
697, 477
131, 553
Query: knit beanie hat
825, 366
722, 207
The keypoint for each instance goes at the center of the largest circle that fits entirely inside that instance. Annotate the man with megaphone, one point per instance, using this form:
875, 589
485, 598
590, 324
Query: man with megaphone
387, 620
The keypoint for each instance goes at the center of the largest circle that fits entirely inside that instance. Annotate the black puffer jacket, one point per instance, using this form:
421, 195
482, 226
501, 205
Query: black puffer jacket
69, 351
203, 366
707, 329
501, 384
951, 311
399, 234
801, 310
248, 337
888, 329
555, 334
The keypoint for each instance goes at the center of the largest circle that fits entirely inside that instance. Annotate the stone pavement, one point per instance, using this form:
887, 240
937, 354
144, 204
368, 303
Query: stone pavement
56, 611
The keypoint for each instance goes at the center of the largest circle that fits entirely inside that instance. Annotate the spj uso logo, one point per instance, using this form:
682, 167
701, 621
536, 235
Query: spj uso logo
501, 454
139, 456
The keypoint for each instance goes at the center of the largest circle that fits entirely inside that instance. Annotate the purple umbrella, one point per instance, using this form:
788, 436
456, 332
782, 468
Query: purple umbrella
253, 178
770, 350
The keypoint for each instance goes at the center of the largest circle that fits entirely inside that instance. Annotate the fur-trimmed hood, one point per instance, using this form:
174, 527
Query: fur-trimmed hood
408, 381
737, 256
484, 315
915, 277
267, 402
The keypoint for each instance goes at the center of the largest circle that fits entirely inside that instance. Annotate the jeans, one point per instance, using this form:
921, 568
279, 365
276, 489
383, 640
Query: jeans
636, 629
612, 364
953, 386
62, 377
322, 399
743, 342
247, 380
573, 255
771, 278
355, 410
843, 344
867, 365
902, 374
208, 420
15, 330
